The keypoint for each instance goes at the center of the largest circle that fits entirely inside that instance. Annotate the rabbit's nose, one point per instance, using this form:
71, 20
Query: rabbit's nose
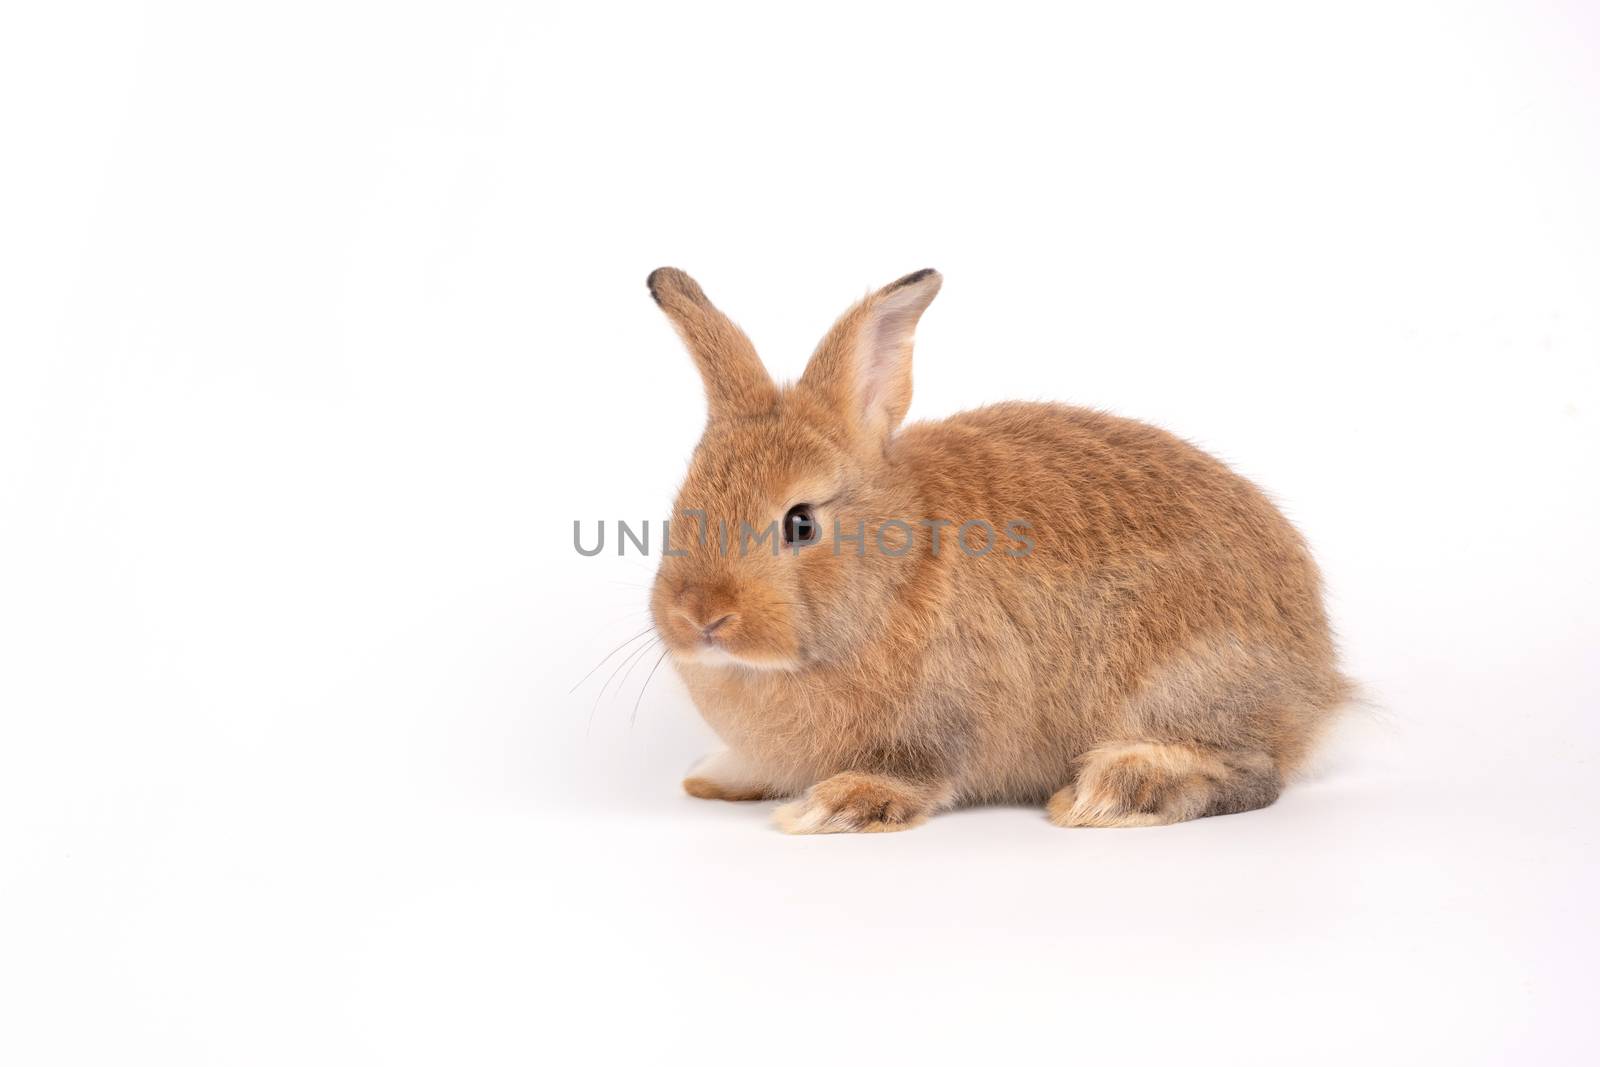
709, 629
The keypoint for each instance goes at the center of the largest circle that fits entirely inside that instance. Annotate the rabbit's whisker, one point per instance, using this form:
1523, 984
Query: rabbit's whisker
649, 647
634, 717
608, 655
627, 663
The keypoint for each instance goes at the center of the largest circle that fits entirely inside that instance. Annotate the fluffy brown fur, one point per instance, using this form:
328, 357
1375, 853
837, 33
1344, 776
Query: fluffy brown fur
1161, 654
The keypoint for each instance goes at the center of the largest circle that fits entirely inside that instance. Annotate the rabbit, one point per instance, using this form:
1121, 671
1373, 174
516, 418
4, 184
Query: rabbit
1148, 645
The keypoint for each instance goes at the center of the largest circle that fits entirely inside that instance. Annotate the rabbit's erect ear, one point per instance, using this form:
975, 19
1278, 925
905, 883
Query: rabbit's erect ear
863, 367
736, 382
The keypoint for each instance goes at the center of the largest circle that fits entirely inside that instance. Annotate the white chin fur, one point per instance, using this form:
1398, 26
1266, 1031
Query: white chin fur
713, 656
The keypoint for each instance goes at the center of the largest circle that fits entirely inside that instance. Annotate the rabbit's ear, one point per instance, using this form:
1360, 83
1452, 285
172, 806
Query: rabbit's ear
736, 382
863, 367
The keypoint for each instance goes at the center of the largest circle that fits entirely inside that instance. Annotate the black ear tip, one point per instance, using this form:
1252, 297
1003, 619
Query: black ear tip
914, 277
672, 282
653, 283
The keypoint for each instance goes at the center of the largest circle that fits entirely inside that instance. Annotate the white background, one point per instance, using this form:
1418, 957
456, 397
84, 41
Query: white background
323, 322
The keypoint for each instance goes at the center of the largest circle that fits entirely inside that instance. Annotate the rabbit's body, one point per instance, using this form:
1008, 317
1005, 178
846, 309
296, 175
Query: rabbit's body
1154, 650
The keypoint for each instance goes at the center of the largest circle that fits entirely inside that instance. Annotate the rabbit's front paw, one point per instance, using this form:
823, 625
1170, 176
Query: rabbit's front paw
853, 802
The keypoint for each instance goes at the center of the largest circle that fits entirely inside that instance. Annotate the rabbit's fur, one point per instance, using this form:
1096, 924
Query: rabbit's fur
1160, 654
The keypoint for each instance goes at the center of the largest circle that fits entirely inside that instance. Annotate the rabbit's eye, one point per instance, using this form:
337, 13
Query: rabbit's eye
800, 526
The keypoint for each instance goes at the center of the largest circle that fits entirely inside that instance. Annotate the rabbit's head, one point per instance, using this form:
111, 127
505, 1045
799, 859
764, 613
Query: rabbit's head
778, 556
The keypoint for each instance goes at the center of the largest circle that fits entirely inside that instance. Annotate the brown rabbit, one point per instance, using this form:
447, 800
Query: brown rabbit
1143, 642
